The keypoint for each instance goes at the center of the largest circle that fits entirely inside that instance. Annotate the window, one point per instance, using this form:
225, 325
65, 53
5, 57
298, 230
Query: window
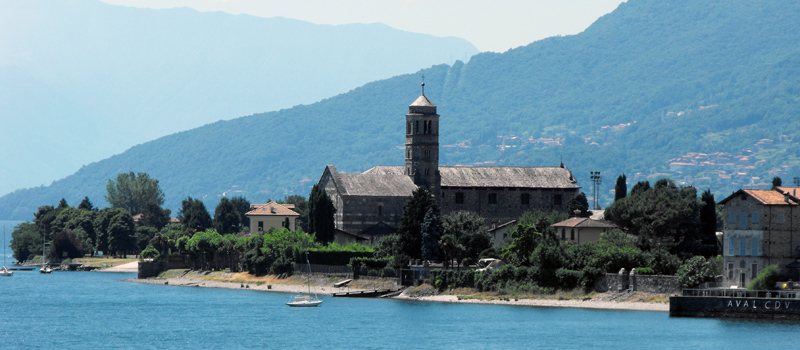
427, 171
731, 249
755, 218
427, 154
732, 218
408, 153
557, 200
754, 272
408, 128
416, 127
742, 246
730, 271
492, 198
459, 197
424, 126
563, 234
260, 226
780, 217
755, 246
743, 221
572, 234
380, 210
525, 199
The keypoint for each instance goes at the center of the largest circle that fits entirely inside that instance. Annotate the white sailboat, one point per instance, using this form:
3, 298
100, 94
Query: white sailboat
305, 300
5, 272
45, 268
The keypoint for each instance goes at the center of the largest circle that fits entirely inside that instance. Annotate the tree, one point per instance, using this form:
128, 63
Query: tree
300, 207
66, 244
120, 233
62, 204
155, 217
431, 233
411, 221
696, 271
26, 240
663, 216
776, 181
242, 206
133, 191
320, 215
86, 204
462, 223
621, 188
226, 218
80, 223
579, 204
194, 216
708, 224
115, 231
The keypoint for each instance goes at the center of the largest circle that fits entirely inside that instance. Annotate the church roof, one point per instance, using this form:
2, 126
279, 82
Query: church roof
386, 185
521, 177
422, 101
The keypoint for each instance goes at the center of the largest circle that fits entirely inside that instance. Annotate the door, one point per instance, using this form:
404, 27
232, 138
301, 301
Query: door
741, 280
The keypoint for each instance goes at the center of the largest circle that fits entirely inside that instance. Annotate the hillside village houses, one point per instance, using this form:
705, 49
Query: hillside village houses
760, 229
369, 204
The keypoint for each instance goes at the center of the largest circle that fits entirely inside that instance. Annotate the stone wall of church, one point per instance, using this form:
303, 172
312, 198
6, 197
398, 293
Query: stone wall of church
361, 212
504, 204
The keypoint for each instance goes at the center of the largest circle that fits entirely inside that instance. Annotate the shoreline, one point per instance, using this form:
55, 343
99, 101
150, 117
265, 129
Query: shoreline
273, 284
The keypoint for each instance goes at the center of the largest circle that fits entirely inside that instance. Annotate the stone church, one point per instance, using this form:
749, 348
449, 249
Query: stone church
369, 205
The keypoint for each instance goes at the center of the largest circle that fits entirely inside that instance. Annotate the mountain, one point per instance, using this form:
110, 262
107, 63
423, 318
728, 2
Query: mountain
703, 92
83, 80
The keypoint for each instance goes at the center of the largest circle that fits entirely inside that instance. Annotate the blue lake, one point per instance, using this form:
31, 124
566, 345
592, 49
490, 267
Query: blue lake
92, 310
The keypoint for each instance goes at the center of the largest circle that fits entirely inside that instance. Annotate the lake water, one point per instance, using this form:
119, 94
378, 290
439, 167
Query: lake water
93, 310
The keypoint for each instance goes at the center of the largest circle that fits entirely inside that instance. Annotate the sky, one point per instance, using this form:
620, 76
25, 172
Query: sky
496, 25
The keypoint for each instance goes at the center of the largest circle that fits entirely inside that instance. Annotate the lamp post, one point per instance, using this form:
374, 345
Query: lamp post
596, 181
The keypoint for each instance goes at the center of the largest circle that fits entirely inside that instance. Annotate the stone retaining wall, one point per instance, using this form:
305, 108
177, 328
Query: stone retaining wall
618, 282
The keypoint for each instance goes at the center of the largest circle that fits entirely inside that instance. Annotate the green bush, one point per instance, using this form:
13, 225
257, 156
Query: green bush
149, 253
766, 279
645, 271
695, 271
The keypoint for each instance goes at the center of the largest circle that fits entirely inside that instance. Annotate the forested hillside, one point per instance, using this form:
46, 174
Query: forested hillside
705, 92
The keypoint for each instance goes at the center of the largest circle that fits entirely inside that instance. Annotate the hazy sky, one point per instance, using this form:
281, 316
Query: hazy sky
496, 25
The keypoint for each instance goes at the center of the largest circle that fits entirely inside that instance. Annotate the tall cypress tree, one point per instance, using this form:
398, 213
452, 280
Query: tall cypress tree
708, 224
621, 188
320, 215
410, 229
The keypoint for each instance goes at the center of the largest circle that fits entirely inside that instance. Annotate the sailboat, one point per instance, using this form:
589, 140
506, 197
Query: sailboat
5, 272
305, 300
45, 268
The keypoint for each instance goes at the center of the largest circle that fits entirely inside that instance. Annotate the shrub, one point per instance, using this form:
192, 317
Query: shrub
695, 271
766, 279
645, 271
149, 253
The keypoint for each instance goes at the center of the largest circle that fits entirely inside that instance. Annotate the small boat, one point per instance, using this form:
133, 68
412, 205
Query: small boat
305, 300
5, 272
45, 268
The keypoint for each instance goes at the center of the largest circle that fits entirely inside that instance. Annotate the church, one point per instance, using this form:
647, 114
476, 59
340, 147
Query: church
369, 205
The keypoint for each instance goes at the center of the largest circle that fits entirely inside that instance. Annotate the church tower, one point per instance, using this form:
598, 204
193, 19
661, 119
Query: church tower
422, 144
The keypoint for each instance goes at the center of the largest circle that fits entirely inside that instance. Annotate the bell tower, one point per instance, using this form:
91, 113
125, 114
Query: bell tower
422, 144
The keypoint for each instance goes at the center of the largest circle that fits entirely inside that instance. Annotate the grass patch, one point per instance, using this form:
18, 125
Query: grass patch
103, 262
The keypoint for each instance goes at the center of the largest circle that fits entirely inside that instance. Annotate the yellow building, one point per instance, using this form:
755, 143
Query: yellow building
271, 215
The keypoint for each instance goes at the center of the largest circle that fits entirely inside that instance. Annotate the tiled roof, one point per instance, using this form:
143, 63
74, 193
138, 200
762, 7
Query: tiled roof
270, 209
377, 185
583, 222
768, 197
520, 177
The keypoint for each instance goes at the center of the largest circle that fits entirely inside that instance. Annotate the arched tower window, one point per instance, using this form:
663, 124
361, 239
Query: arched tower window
416, 127
427, 171
424, 126
408, 128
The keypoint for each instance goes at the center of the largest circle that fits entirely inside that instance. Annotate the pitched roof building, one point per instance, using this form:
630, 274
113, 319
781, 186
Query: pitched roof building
271, 215
375, 198
760, 228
